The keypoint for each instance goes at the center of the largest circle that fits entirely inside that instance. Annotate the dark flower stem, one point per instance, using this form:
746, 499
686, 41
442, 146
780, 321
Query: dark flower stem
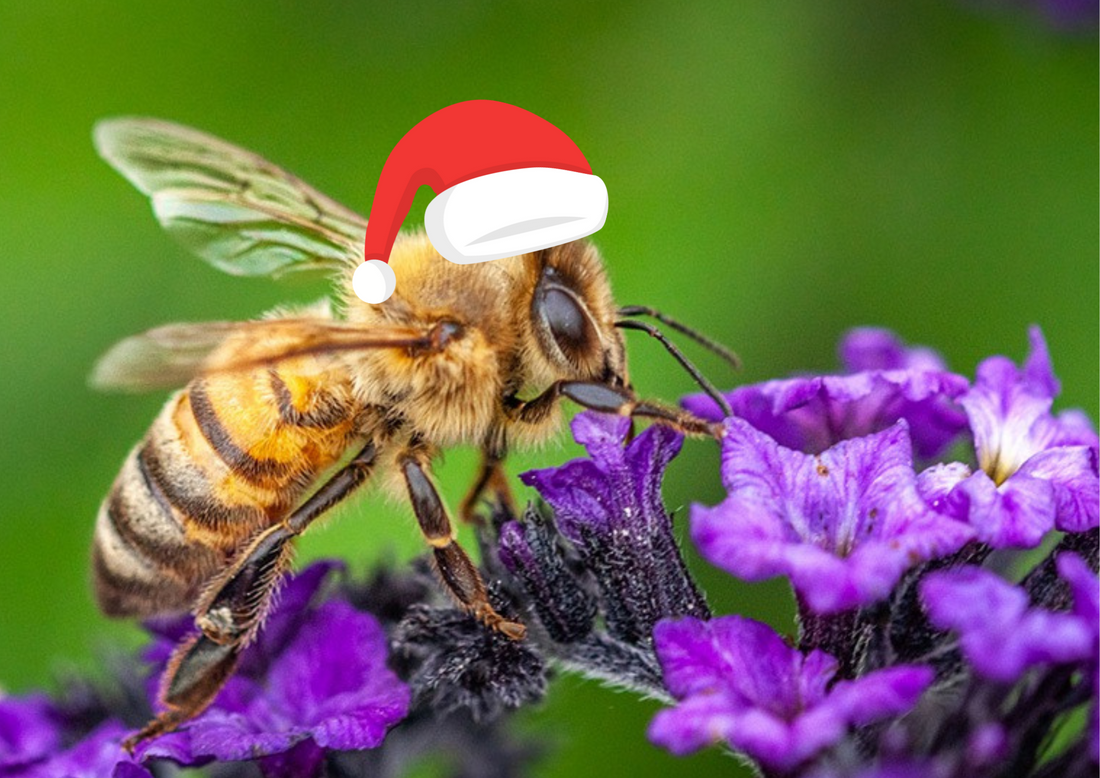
834, 634
1043, 584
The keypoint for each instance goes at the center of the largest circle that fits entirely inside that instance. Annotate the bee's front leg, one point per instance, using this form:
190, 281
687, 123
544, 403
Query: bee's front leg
611, 399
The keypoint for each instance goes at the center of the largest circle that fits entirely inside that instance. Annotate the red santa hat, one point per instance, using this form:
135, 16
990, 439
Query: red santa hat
507, 182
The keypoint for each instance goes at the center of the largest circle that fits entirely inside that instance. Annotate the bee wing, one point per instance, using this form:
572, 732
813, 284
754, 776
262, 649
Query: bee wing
170, 356
239, 212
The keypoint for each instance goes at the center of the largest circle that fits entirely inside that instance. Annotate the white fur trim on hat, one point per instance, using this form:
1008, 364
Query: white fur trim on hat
513, 212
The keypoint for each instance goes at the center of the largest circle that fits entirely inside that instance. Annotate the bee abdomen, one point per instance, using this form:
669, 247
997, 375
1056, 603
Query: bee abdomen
142, 561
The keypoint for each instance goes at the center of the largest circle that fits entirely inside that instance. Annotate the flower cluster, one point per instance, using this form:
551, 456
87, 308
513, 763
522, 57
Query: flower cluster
898, 499
824, 490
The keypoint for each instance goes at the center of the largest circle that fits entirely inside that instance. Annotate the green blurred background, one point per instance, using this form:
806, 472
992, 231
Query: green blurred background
778, 172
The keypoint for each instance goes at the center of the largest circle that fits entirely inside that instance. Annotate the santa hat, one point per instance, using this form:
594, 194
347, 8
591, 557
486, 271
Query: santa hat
507, 182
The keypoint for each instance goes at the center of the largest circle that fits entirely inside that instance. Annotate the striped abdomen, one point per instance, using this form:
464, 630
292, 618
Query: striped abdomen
228, 456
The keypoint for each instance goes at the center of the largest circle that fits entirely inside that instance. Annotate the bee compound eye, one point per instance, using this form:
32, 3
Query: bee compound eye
566, 321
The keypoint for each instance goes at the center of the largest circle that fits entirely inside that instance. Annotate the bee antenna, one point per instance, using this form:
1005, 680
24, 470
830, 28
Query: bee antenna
704, 384
707, 343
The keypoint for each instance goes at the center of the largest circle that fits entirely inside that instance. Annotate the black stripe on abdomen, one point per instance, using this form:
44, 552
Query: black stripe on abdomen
238, 460
188, 490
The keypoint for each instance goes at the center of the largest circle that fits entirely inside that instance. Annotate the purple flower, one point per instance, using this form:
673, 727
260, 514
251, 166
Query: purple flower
1037, 471
315, 679
99, 755
737, 681
1086, 607
998, 633
843, 525
887, 382
609, 506
28, 730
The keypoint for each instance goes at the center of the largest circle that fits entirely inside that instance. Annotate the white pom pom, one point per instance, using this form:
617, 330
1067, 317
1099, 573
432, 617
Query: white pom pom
374, 281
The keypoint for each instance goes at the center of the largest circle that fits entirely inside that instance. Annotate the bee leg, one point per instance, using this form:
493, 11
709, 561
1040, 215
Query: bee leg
610, 399
235, 605
455, 568
489, 479
198, 669
237, 600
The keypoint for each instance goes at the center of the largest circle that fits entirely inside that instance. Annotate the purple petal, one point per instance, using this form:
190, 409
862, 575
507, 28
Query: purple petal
1083, 583
1004, 418
304, 760
174, 745
230, 736
873, 348
603, 493
740, 657
988, 745
1074, 428
99, 754
579, 494
338, 667
873, 697
602, 435
879, 694
690, 660
862, 701
1016, 515
1038, 373
843, 525
28, 730
936, 484
772, 741
999, 635
700, 721
1071, 473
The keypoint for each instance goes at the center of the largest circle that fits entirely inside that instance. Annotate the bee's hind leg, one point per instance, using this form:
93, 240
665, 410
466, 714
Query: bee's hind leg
198, 669
455, 568
235, 604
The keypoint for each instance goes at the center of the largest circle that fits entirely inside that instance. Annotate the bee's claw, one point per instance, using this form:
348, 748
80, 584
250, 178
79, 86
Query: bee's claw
162, 724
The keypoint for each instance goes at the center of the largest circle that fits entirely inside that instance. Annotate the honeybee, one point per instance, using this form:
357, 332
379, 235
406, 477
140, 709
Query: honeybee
281, 418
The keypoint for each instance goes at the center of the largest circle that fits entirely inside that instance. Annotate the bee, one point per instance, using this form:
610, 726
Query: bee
281, 418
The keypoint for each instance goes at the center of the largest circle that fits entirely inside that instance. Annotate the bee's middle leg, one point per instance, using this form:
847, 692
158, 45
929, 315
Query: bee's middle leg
455, 568
490, 478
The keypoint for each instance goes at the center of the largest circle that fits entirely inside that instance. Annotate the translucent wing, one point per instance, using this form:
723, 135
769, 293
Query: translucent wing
172, 355
236, 210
